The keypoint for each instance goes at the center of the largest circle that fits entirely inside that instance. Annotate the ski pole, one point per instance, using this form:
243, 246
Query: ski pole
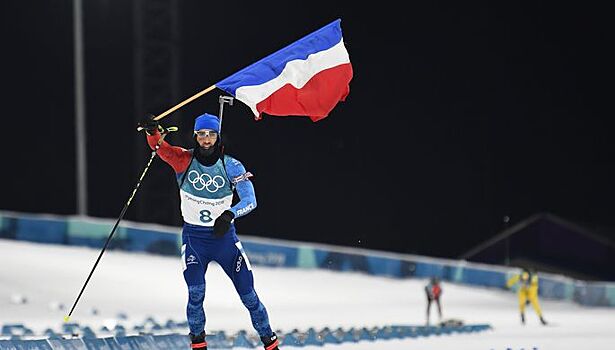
134, 191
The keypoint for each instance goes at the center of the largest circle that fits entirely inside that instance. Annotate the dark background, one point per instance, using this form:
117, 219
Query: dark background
458, 115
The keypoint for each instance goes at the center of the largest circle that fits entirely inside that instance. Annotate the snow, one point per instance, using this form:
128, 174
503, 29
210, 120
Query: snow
39, 283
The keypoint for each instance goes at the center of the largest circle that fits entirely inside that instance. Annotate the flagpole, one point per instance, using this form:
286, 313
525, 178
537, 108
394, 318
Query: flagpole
183, 103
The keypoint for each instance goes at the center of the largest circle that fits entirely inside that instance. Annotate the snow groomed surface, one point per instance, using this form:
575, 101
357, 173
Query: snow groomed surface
38, 282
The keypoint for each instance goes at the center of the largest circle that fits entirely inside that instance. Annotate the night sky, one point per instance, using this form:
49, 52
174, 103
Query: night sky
458, 115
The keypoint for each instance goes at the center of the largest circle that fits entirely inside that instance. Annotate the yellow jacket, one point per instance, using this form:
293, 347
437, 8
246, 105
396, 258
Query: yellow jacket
527, 282
527, 292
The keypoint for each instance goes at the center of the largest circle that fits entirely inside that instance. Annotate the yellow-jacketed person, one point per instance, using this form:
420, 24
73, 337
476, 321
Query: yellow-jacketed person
528, 292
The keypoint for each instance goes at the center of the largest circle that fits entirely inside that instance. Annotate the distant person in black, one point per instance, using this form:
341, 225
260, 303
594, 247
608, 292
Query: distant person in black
433, 290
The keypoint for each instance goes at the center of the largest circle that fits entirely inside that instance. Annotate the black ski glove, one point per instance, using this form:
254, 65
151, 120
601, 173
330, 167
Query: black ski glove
149, 125
223, 223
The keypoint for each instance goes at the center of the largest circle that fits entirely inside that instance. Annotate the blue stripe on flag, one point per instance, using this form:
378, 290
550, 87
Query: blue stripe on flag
271, 66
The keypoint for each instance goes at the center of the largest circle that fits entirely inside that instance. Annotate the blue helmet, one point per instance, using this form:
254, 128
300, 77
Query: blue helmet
207, 121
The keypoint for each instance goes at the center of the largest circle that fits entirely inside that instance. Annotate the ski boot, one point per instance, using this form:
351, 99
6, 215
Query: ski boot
198, 341
522, 319
271, 342
542, 320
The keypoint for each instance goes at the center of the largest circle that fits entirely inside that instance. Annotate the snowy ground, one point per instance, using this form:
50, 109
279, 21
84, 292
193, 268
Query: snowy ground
142, 285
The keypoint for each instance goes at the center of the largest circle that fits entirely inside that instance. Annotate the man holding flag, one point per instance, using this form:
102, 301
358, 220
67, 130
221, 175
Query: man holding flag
306, 78
207, 179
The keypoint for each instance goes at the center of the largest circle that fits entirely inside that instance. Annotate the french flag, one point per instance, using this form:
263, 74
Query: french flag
306, 78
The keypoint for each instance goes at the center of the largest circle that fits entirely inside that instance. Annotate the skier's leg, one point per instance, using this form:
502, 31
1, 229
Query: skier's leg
522, 300
534, 300
439, 308
236, 265
194, 274
428, 308
533, 296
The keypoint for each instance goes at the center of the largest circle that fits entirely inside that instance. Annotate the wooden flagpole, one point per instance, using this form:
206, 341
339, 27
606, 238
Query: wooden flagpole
183, 103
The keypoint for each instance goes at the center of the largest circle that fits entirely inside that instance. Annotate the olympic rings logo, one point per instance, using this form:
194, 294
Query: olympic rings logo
205, 181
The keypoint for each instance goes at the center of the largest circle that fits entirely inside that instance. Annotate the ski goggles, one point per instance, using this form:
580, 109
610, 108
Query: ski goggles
206, 133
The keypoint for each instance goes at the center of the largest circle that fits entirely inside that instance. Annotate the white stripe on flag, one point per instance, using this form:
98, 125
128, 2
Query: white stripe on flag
297, 73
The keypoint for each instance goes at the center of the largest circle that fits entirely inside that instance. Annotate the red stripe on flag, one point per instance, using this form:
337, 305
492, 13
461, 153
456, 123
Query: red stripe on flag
315, 99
